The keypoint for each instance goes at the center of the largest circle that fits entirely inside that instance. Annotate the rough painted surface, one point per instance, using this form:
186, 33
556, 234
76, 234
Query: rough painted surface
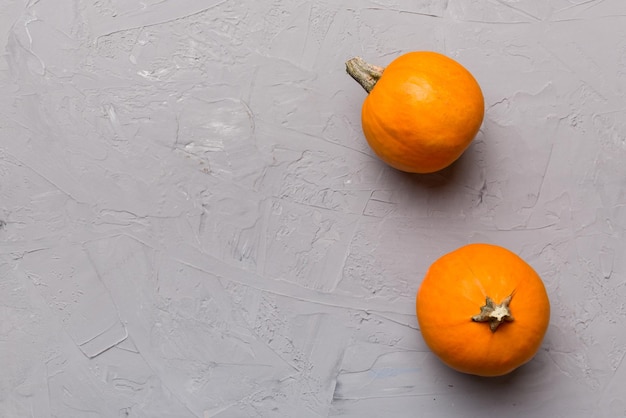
192, 225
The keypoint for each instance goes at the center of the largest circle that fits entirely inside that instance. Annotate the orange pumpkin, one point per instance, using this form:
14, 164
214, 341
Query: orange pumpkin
422, 111
482, 310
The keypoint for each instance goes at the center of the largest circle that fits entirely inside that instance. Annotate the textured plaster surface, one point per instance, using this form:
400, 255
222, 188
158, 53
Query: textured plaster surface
192, 224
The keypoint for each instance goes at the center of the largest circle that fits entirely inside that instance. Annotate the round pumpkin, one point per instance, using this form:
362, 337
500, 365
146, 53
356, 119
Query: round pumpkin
482, 310
422, 111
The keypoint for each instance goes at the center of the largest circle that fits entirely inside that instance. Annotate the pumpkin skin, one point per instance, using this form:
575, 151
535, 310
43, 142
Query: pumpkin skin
423, 112
451, 298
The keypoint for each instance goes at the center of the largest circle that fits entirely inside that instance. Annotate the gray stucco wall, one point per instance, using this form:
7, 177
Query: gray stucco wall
192, 224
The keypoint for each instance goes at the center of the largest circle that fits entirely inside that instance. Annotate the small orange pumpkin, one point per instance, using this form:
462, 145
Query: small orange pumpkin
422, 111
482, 310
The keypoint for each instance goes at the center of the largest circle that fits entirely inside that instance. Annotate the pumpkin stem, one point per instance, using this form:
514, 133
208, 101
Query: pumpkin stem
365, 74
494, 314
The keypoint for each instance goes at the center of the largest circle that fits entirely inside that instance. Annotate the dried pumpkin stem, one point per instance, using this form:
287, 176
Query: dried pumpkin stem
494, 314
365, 74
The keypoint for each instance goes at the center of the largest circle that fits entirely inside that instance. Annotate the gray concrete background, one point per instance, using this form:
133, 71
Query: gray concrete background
192, 224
